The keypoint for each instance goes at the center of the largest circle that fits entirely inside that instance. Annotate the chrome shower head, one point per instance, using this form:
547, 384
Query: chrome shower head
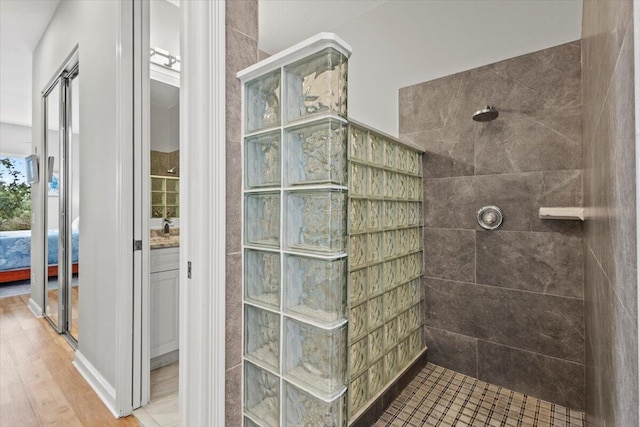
487, 114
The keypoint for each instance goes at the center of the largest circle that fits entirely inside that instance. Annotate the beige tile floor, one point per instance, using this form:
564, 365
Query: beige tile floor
162, 410
441, 397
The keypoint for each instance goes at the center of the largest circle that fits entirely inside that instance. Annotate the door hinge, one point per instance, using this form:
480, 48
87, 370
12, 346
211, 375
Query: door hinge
188, 269
137, 245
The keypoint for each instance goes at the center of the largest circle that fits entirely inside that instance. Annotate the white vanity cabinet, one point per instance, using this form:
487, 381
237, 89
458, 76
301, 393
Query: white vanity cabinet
164, 296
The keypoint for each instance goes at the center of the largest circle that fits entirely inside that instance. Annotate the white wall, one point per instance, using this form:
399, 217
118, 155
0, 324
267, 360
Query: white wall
165, 128
165, 26
401, 43
93, 26
15, 140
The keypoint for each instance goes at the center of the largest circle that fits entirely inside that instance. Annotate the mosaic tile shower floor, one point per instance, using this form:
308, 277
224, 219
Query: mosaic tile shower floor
441, 397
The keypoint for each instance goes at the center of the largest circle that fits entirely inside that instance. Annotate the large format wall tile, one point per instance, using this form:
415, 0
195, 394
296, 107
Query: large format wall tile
544, 377
449, 254
548, 263
453, 351
539, 323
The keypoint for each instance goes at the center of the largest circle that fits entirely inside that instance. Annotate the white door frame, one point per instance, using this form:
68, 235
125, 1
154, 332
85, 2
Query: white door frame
202, 190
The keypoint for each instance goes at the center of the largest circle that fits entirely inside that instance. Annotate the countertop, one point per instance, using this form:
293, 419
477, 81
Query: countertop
159, 240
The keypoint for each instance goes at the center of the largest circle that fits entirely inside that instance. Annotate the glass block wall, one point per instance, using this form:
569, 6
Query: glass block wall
385, 262
331, 246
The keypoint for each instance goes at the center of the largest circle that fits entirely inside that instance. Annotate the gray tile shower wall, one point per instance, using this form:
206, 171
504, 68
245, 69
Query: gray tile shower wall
242, 51
505, 306
611, 300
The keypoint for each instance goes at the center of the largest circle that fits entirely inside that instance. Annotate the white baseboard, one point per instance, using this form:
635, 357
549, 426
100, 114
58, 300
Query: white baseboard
105, 391
164, 359
34, 308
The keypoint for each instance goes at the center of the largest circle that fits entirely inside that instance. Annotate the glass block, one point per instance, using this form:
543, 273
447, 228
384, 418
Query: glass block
414, 188
389, 149
376, 183
389, 274
157, 184
416, 291
389, 214
375, 247
315, 288
358, 178
262, 337
391, 333
317, 84
402, 243
262, 160
249, 423
262, 219
415, 316
157, 212
376, 378
358, 392
316, 221
173, 199
390, 364
358, 215
358, 250
376, 344
358, 322
404, 353
261, 395
401, 158
358, 356
358, 144
357, 286
414, 266
173, 212
414, 161
317, 153
390, 184
157, 198
262, 108
414, 238
404, 324
415, 342
414, 213
401, 211
402, 269
376, 150
405, 296
314, 357
375, 214
173, 185
389, 243
262, 278
302, 409
375, 318
402, 191
375, 280
390, 302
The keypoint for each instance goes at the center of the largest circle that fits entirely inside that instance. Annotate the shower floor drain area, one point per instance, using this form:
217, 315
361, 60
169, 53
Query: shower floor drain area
441, 397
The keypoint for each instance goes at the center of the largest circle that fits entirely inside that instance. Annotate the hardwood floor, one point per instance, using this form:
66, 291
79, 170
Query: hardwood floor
38, 384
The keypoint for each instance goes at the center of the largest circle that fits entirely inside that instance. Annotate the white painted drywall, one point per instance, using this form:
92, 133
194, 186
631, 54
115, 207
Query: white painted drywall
93, 26
15, 140
165, 26
400, 43
164, 128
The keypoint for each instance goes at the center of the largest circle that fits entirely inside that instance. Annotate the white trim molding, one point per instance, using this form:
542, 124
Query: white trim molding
35, 308
202, 190
100, 385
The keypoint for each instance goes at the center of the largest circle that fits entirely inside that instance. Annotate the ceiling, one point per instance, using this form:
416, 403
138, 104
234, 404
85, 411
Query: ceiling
21, 26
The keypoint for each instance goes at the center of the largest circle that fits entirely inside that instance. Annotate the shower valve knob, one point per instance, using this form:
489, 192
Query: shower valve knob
490, 217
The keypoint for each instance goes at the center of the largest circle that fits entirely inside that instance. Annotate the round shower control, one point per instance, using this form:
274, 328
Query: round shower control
490, 217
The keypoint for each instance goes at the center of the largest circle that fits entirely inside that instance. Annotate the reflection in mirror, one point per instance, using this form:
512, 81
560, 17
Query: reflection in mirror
73, 165
53, 152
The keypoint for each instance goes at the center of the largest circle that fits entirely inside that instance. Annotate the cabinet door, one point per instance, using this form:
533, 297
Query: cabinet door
164, 312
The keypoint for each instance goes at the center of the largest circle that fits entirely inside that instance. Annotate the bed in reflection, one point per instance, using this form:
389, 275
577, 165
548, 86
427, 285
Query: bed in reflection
15, 254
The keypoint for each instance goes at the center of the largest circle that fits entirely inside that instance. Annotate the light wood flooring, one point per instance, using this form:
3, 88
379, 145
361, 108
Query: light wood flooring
38, 384
53, 308
162, 410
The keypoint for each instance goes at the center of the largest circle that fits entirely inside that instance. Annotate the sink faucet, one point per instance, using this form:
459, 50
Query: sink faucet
166, 222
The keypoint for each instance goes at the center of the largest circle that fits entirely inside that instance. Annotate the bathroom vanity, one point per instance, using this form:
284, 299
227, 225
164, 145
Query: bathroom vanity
164, 297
